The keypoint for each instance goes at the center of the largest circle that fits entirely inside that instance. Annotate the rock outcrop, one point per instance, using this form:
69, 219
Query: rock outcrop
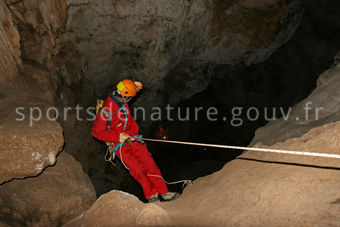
153, 215
27, 151
118, 208
59, 194
27, 145
320, 107
114, 208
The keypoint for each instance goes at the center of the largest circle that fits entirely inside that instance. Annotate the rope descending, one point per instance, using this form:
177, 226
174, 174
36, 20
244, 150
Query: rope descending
185, 182
314, 154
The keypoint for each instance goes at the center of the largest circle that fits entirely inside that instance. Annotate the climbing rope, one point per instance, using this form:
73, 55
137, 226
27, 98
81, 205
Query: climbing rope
111, 157
185, 182
325, 155
109, 151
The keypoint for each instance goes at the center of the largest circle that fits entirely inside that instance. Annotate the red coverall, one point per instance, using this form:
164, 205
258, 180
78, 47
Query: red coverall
135, 157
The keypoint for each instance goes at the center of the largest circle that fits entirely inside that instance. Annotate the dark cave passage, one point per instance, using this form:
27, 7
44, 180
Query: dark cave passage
272, 87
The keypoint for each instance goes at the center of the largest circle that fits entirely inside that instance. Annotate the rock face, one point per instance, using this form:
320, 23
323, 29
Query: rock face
320, 107
59, 194
118, 208
27, 151
31, 45
38, 69
153, 215
150, 40
322, 139
9, 45
27, 146
34, 64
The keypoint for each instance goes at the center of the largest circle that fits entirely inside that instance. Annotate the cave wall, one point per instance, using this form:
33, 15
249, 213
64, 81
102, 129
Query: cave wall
166, 43
59, 194
35, 63
33, 29
319, 108
41, 68
9, 45
28, 79
36, 58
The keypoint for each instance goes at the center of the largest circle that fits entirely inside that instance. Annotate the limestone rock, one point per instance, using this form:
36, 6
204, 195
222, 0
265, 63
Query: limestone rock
57, 195
153, 215
247, 192
34, 57
322, 139
9, 45
3, 224
27, 147
40, 25
114, 208
320, 107
26, 152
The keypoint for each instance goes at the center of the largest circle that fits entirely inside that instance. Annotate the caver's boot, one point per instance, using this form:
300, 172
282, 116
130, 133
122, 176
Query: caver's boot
170, 196
153, 198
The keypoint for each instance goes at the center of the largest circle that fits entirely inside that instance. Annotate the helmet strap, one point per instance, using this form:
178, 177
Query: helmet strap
124, 99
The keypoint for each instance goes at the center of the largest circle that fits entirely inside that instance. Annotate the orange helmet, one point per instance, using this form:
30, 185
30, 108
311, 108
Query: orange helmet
128, 87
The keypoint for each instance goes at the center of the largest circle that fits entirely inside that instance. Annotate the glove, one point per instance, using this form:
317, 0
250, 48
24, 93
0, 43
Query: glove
123, 137
135, 138
139, 85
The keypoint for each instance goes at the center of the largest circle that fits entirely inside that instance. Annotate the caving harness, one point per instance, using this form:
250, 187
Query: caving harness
102, 111
112, 148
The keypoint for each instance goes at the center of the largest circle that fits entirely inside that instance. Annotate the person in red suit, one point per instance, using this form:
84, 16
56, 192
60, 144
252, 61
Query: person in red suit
115, 125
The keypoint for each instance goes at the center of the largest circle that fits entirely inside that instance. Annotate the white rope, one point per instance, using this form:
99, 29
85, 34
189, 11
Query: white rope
185, 182
109, 151
325, 155
121, 157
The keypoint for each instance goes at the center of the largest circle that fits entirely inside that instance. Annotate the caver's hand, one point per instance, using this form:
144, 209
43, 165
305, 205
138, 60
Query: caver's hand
123, 137
108, 144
